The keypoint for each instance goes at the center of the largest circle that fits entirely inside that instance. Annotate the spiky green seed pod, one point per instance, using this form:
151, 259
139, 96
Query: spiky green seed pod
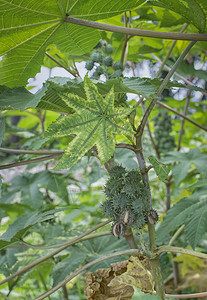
108, 61
99, 70
96, 57
127, 199
89, 65
117, 73
118, 66
109, 49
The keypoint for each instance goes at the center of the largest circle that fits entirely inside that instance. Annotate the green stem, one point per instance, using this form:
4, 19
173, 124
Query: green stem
180, 250
183, 120
124, 48
150, 134
30, 161
50, 255
187, 296
181, 115
176, 235
130, 238
34, 152
4, 296
169, 52
43, 281
80, 270
60, 64
138, 32
175, 66
176, 74
162, 87
65, 292
88, 237
155, 263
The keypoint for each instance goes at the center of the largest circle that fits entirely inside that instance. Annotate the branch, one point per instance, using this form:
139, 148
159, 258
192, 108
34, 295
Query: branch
4, 296
80, 270
126, 146
162, 87
60, 64
30, 161
183, 120
168, 53
150, 134
75, 68
125, 45
176, 74
176, 235
130, 238
180, 250
88, 237
181, 115
25, 269
35, 152
138, 32
175, 66
155, 263
187, 296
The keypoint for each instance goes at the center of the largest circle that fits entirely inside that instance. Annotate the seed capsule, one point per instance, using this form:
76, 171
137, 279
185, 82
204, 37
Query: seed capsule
126, 217
152, 216
118, 229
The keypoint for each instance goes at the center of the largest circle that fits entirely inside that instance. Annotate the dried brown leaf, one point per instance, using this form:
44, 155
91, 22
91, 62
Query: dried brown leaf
118, 281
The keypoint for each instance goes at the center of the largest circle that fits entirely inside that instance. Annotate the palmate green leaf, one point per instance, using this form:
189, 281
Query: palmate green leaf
85, 252
19, 98
186, 160
139, 295
27, 28
196, 226
48, 98
68, 265
191, 212
161, 169
95, 122
17, 230
194, 11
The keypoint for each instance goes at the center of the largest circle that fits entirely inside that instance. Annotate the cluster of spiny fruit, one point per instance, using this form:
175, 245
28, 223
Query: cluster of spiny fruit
163, 127
127, 201
102, 63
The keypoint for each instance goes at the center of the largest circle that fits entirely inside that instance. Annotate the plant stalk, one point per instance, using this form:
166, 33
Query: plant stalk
176, 74
169, 52
130, 238
60, 64
80, 270
183, 120
173, 249
181, 115
34, 152
50, 255
139, 32
155, 262
30, 161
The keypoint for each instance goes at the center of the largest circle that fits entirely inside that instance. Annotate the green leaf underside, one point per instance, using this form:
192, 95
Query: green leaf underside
161, 169
189, 211
17, 230
48, 98
194, 11
186, 160
95, 122
26, 29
